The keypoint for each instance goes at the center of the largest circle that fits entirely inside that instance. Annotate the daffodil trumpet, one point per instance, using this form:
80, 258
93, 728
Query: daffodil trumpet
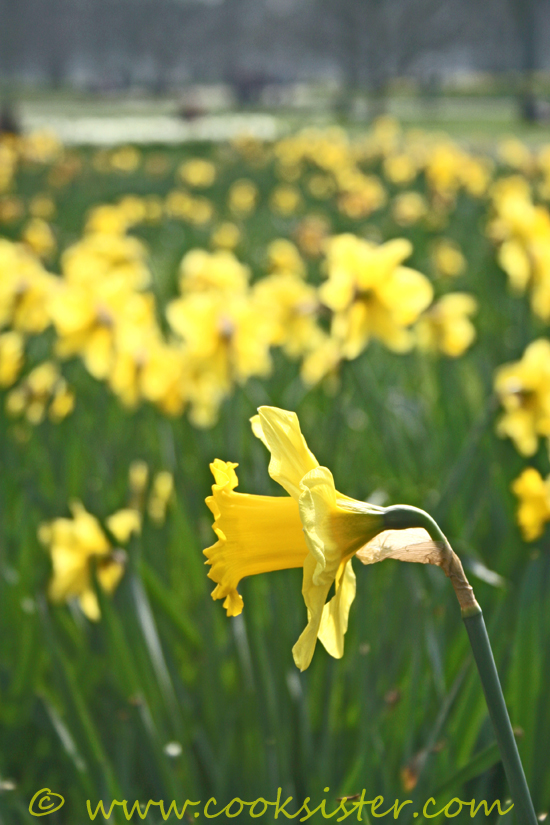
319, 529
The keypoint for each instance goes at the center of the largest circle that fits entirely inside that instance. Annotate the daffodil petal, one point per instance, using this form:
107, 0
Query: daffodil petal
335, 526
334, 621
89, 605
291, 458
314, 597
256, 425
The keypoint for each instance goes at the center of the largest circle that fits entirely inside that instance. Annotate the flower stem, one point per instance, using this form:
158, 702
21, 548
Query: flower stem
483, 655
403, 517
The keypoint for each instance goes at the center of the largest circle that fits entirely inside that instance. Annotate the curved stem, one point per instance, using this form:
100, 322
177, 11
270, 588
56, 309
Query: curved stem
402, 517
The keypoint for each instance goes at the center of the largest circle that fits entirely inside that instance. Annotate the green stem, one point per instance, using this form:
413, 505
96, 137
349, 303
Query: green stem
483, 655
402, 517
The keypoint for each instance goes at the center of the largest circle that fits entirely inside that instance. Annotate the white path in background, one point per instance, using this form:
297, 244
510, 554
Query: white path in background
109, 131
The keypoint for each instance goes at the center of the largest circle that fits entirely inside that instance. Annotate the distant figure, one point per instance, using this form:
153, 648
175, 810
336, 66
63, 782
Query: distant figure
9, 123
533, 110
248, 87
191, 111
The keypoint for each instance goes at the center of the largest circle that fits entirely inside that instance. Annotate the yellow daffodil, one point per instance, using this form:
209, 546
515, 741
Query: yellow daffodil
314, 527
372, 294
285, 200
292, 305
201, 271
242, 197
12, 354
226, 332
124, 523
446, 326
322, 361
311, 235
126, 159
138, 476
448, 258
25, 289
161, 493
360, 194
400, 168
226, 235
534, 502
283, 256
516, 154
42, 206
44, 384
408, 208
197, 172
39, 237
72, 544
524, 391
523, 229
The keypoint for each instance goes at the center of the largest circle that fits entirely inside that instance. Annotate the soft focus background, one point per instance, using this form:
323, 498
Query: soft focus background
196, 205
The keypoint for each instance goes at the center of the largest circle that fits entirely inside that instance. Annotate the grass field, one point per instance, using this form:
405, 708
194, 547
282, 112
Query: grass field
163, 697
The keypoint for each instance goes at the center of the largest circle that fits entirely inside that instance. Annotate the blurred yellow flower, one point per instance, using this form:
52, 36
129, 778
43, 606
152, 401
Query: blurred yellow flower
372, 294
400, 168
197, 172
163, 489
242, 197
285, 200
72, 544
322, 359
524, 391
38, 235
408, 208
214, 272
126, 159
314, 527
42, 206
106, 219
124, 523
311, 235
291, 304
194, 209
226, 235
448, 258
162, 378
12, 354
446, 325
523, 230
515, 154
360, 195
41, 146
534, 502
283, 256
63, 402
225, 332
44, 384
25, 289
138, 475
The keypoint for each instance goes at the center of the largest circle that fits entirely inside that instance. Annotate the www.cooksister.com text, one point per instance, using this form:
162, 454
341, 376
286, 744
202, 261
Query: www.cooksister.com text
287, 808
